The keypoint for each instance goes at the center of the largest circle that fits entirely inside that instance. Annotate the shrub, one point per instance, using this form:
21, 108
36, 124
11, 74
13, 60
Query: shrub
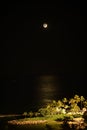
30, 114
44, 112
37, 114
25, 114
60, 117
77, 115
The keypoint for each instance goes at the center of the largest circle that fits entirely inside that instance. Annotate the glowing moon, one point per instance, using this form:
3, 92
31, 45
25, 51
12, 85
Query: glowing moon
45, 25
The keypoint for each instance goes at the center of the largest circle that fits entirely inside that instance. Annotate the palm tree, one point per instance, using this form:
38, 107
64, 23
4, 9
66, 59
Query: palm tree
60, 104
54, 103
75, 108
77, 98
65, 102
82, 99
71, 101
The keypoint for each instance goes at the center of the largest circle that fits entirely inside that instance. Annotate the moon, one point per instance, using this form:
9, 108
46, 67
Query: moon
45, 25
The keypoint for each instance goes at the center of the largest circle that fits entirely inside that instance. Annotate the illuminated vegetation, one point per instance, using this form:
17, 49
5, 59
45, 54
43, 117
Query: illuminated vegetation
55, 114
75, 106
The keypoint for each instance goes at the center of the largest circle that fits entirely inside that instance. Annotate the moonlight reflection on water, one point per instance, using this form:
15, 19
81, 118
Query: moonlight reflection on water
48, 88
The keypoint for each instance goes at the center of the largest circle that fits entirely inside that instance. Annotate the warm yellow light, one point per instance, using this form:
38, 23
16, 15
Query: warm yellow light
45, 25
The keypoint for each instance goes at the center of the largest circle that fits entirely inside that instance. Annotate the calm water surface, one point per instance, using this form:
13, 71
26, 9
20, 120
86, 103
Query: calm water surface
29, 93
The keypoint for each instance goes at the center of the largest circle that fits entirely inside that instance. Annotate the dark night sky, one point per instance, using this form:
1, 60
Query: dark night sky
28, 50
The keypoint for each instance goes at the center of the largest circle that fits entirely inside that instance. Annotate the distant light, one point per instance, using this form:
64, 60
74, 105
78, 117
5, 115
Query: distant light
45, 25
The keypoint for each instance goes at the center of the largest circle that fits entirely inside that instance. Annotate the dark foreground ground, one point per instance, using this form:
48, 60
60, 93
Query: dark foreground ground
48, 125
30, 124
